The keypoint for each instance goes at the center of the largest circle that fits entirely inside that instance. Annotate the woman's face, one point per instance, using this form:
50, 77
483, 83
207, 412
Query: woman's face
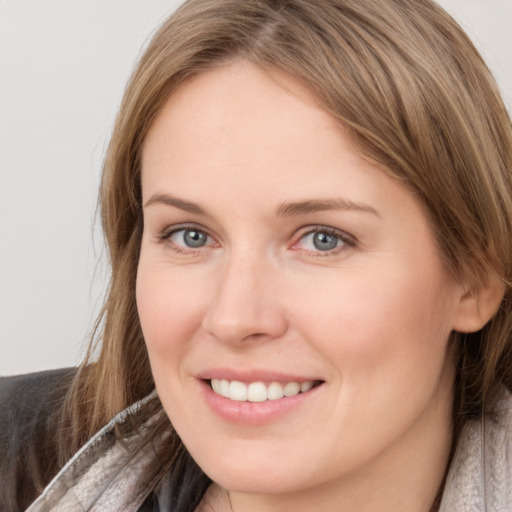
274, 258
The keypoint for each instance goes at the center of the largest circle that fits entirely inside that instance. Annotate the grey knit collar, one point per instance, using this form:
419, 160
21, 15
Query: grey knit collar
480, 476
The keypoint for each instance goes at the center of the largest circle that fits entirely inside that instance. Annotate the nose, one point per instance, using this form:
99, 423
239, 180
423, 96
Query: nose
245, 305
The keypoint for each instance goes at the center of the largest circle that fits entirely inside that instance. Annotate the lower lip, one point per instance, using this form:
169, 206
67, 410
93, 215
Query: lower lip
254, 413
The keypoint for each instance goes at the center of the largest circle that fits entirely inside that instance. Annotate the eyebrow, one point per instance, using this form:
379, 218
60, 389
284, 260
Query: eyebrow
186, 206
286, 209
317, 205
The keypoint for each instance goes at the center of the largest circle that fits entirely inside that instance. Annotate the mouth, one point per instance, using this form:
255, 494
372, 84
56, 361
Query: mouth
260, 391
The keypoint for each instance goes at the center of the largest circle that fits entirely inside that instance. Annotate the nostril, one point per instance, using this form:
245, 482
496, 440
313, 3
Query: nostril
255, 336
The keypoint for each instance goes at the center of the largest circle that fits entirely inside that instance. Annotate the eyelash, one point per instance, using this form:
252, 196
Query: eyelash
347, 241
167, 233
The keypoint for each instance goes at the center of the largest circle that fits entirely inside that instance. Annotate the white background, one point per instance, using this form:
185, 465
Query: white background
63, 66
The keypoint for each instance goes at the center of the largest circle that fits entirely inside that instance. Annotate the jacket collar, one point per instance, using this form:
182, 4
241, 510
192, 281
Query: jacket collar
105, 474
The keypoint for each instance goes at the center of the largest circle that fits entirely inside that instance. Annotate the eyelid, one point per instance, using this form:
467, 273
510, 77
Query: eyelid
165, 234
347, 239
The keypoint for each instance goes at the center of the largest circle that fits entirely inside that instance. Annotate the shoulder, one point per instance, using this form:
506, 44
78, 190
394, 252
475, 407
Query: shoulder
28, 423
32, 387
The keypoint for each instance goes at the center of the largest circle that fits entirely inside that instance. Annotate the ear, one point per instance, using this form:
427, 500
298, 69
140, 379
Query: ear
478, 304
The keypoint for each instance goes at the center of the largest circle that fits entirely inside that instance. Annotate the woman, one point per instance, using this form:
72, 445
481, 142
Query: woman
308, 208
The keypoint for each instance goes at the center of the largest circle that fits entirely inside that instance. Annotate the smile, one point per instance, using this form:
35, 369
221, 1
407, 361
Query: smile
259, 391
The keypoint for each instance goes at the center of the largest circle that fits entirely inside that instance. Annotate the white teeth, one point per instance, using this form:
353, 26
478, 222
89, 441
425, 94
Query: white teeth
291, 389
275, 391
258, 391
223, 388
306, 386
238, 391
216, 386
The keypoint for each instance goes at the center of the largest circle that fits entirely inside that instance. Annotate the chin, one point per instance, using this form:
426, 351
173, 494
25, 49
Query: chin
256, 480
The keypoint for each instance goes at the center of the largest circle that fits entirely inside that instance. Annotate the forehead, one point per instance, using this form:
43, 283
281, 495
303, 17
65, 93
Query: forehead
241, 115
223, 88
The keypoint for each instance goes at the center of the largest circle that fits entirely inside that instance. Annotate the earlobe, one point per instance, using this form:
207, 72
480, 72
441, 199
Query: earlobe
478, 305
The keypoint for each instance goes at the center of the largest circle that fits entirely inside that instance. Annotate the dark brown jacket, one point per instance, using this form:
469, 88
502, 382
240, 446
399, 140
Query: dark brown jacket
28, 422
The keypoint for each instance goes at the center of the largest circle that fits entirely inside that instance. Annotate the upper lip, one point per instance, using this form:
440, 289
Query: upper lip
253, 375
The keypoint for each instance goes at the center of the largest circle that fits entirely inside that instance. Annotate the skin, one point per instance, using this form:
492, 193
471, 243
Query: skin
370, 318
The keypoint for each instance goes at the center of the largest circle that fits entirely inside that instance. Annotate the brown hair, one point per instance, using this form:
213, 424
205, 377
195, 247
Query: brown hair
418, 99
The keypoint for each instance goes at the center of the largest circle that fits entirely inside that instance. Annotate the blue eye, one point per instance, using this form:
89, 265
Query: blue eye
325, 240
189, 238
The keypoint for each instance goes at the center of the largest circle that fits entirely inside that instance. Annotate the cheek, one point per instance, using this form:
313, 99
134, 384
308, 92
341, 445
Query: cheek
170, 309
385, 342
386, 321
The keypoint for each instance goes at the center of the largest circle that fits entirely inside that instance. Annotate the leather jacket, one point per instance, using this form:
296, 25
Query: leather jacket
27, 434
